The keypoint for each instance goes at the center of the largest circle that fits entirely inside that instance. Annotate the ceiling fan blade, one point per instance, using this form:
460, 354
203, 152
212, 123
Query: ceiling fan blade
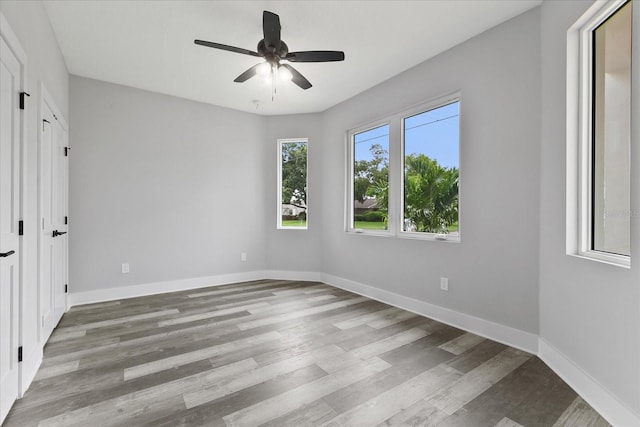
226, 47
271, 29
247, 74
315, 56
296, 77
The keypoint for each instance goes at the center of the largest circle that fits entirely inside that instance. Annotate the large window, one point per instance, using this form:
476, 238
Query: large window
370, 179
603, 135
431, 162
404, 173
292, 184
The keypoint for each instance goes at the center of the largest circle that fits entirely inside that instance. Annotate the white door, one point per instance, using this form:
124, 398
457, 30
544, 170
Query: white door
10, 136
47, 271
53, 237
60, 196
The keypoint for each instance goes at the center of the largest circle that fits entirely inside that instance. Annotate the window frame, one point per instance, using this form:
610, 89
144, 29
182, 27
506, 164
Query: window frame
423, 108
580, 126
351, 134
395, 213
280, 143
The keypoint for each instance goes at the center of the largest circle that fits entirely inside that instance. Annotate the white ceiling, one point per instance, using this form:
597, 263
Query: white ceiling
149, 44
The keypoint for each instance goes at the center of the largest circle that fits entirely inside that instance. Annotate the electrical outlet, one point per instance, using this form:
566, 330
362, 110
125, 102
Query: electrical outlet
444, 284
125, 267
243, 256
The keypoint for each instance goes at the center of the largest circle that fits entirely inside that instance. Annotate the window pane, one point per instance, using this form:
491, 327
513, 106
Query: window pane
612, 133
293, 184
371, 179
431, 164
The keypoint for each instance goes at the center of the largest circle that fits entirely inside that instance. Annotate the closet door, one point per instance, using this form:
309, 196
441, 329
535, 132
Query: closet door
10, 137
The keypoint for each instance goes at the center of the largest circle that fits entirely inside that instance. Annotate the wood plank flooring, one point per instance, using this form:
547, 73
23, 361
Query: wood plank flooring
284, 353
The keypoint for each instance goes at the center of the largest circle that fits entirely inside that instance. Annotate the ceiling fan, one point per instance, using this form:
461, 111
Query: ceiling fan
273, 50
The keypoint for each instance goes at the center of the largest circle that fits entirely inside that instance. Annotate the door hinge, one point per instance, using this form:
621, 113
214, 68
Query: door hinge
66, 151
66, 289
22, 96
20, 354
21, 228
66, 220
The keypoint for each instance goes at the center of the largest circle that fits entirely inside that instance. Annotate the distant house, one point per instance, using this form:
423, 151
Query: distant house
290, 211
368, 205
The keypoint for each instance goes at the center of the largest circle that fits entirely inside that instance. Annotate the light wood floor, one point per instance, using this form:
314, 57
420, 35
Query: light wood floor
283, 353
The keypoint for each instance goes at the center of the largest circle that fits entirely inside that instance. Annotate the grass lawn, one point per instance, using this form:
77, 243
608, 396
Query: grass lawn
370, 225
365, 225
294, 223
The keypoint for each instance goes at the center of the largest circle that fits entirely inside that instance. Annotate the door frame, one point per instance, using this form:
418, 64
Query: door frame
12, 41
45, 98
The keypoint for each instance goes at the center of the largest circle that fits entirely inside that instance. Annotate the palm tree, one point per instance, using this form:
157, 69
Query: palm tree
430, 194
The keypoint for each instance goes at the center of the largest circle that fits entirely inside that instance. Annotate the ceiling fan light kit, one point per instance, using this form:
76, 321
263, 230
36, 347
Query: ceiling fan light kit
274, 50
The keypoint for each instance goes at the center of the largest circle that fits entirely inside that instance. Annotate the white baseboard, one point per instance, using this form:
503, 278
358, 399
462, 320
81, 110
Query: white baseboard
594, 393
307, 276
28, 368
102, 295
507, 335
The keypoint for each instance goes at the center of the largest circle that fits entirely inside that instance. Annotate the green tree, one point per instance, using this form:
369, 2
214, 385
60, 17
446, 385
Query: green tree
294, 174
431, 194
368, 173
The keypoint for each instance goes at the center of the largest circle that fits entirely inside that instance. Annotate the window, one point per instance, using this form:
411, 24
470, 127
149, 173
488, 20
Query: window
404, 174
431, 164
370, 184
601, 137
292, 184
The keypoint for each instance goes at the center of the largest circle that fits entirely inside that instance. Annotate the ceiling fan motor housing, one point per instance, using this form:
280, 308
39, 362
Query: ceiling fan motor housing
272, 53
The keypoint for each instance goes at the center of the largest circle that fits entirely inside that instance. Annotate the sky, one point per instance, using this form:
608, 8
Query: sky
434, 133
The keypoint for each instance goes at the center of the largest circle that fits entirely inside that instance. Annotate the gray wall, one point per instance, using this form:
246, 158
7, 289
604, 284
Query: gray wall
498, 75
45, 63
171, 186
588, 310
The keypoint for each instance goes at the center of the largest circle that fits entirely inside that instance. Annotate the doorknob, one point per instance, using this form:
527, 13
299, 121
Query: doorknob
57, 233
6, 254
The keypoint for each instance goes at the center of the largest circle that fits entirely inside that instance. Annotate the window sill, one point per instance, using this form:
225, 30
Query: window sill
365, 232
611, 259
447, 238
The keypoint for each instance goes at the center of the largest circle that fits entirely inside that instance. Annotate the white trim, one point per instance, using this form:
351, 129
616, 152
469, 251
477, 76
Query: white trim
594, 393
154, 288
279, 225
395, 208
495, 331
578, 133
349, 201
25, 374
12, 40
307, 276
29, 366
424, 108
45, 99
